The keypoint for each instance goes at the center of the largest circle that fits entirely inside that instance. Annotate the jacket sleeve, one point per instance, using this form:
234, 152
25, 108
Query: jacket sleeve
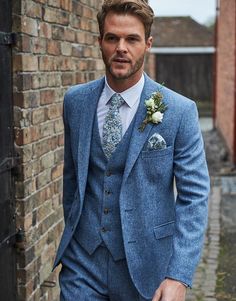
192, 183
69, 172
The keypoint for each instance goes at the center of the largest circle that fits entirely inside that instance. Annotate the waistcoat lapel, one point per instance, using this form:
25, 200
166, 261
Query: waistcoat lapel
139, 138
88, 112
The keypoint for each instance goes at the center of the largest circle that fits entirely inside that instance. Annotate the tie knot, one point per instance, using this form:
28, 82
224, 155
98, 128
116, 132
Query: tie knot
116, 101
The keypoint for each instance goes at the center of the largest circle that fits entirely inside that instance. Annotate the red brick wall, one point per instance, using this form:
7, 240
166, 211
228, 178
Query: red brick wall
57, 47
150, 65
226, 81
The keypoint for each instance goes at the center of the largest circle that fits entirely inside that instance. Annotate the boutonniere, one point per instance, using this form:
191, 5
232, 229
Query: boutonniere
155, 110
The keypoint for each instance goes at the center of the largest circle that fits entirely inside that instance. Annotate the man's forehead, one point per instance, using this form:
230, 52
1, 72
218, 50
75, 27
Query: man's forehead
116, 22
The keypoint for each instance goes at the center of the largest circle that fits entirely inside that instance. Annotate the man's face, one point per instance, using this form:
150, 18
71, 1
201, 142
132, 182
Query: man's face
123, 47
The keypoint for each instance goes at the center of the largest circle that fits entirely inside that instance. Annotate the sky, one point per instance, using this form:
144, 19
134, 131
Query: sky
200, 10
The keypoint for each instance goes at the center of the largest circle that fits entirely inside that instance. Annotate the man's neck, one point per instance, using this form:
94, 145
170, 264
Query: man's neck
120, 85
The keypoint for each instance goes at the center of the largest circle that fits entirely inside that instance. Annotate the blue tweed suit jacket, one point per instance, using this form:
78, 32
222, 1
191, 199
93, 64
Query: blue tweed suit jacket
162, 232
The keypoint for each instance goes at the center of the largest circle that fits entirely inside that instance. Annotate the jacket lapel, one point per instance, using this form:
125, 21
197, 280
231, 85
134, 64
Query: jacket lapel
139, 138
88, 111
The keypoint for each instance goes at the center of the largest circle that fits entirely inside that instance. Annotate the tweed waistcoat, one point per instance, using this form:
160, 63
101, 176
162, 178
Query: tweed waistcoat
100, 219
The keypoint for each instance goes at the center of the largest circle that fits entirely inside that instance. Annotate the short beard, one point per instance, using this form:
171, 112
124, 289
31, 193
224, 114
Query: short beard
138, 65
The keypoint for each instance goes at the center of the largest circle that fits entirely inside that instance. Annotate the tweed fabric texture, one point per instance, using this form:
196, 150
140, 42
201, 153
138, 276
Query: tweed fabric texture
95, 277
162, 234
101, 203
112, 129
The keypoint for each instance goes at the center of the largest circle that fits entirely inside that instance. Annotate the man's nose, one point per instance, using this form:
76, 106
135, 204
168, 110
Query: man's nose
121, 47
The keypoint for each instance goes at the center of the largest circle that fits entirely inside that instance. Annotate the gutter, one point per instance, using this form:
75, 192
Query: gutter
215, 63
234, 154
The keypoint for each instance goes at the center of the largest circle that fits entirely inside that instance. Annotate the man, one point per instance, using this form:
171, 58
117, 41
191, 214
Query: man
127, 237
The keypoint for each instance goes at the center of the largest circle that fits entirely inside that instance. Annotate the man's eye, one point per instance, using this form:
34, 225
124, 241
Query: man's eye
111, 38
132, 39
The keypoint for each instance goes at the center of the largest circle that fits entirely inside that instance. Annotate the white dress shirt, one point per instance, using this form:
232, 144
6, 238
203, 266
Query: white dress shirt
127, 111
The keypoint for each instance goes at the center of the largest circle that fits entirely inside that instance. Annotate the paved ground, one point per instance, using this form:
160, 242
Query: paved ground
215, 279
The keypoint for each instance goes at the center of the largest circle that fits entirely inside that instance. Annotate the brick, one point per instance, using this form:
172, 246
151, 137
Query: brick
85, 24
43, 178
23, 81
54, 79
44, 146
23, 43
57, 32
66, 64
25, 62
47, 97
39, 45
57, 171
27, 99
60, 140
66, 5
22, 117
53, 47
29, 26
58, 155
38, 116
45, 30
25, 153
87, 12
42, 212
74, 22
77, 51
59, 127
33, 10
22, 136
54, 111
39, 80
35, 133
77, 8
47, 160
53, 15
68, 78
48, 63
66, 48
24, 189
46, 129
69, 35
54, 3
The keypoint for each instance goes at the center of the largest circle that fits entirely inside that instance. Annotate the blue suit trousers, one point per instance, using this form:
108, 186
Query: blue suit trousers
95, 277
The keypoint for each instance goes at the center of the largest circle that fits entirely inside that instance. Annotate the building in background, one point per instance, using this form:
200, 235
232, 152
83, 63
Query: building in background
225, 86
56, 47
184, 52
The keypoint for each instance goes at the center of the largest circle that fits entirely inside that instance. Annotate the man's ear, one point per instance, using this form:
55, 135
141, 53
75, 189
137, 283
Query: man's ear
149, 43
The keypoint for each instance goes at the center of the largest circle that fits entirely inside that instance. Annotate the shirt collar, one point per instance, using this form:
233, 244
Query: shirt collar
130, 95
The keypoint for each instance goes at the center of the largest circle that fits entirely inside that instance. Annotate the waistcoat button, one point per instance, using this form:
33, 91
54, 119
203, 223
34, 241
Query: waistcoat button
106, 211
104, 229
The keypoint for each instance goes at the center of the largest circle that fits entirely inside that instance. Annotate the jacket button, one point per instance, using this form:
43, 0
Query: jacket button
107, 192
108, 173
103, 229
106, 211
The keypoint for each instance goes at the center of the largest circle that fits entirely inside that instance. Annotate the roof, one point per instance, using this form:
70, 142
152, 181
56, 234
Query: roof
180, 32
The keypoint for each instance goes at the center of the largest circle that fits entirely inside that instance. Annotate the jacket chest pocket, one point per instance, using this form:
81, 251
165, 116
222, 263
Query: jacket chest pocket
158, 154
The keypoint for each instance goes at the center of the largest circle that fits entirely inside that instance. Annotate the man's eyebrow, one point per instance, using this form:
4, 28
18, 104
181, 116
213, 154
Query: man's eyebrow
133, 35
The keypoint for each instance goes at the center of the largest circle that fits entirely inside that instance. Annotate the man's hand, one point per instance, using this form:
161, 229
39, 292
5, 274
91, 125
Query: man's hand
170, 290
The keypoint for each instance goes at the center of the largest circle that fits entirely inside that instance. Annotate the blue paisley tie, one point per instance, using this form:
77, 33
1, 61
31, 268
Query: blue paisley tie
112, 128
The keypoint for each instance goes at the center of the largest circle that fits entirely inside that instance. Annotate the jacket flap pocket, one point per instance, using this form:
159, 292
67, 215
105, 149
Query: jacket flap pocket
164, 230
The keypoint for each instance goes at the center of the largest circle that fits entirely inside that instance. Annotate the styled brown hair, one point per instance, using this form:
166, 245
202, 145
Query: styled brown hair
139, 8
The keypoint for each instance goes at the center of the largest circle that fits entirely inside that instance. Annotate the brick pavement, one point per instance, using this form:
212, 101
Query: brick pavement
206, 275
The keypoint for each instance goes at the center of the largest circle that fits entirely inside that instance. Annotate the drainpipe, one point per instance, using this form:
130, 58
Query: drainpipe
215, 62
234, 154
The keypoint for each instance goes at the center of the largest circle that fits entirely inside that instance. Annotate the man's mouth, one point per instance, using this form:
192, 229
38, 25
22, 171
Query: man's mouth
121, 60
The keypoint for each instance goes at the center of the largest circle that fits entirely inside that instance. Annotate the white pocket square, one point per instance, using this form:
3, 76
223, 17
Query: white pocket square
155, 142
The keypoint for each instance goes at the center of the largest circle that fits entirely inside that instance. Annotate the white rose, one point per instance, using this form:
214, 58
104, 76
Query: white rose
150, 103
157, 117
